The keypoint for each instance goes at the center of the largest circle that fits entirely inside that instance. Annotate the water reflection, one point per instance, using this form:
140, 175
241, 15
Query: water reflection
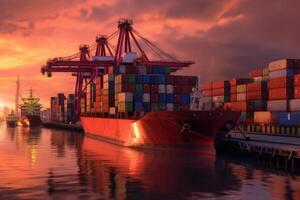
65, 165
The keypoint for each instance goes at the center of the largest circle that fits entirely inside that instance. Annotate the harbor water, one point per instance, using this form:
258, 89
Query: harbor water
54, 164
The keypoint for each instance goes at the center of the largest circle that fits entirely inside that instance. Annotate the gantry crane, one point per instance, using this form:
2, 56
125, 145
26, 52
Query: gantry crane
81, 63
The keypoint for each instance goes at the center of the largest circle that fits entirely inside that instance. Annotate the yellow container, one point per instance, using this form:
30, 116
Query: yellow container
241, 88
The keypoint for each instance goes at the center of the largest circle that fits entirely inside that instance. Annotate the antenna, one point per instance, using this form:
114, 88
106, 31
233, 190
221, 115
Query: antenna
17, 97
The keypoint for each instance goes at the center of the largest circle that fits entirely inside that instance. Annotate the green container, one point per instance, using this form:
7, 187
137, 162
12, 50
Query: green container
167, 70
154, 106
139, 88
131, 78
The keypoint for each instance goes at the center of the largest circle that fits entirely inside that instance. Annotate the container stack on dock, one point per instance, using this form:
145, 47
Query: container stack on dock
130, 90
270, 95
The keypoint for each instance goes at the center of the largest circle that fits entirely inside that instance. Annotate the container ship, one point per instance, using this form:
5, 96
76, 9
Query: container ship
137, 102
11, 120
30, 111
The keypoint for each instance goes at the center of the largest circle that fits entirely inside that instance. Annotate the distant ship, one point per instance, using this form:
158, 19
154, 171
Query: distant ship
30, 109
11, 119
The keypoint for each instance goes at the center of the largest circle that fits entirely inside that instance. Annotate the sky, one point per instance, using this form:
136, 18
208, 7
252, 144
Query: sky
225, 38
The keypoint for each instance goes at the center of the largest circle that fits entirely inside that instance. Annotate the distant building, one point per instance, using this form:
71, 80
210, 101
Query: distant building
46, 115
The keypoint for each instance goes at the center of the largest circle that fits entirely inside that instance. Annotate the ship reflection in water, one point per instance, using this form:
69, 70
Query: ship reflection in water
45, 164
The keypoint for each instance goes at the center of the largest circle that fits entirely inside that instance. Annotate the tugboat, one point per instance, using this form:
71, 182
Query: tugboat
11, 120
30, 109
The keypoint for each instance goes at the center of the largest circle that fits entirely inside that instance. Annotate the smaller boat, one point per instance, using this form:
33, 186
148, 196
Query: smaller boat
11, 119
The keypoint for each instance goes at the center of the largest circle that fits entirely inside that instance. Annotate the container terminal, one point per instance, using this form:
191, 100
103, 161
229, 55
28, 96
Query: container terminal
123, 97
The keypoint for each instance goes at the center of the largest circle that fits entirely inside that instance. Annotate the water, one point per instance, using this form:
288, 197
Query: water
54, 164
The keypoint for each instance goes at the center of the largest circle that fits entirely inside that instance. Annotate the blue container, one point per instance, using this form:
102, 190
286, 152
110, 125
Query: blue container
154, 79
161, 79
147, 107
139, 79
288, 118
185, 98
161, 70
138, 97
169, 98
138, 106
146, 79
155, 70
162, 98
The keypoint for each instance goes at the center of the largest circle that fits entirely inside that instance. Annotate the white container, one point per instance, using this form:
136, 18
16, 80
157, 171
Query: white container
278, 105
122, 69
108, 77
146, 97
142, 69
206, 99
241, 97
169, 89
170, 106
281, 73
103, 58
125, 97
161, 88
129, 57
218, 99
112, 110
294, 105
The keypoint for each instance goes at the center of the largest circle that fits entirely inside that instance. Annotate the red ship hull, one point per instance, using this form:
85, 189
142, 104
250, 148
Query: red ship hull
162, 129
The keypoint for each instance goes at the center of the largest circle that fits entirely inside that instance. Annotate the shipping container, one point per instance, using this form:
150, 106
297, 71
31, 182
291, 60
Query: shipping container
281, 73
288, 118
281, 82
256, 86
280, 93
206, 93
264, 117
241, 88
239, 81
220, 84
257, 95
278, 105
294, 105
256, 73
284, 64
297, 80
241, 97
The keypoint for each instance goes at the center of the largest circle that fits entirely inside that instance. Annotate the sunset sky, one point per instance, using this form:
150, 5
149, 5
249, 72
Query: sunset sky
225, 38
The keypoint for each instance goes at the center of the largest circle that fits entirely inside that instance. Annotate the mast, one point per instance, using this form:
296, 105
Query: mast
17, 97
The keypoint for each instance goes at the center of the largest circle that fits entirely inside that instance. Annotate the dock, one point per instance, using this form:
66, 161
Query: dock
64, 126
281, 151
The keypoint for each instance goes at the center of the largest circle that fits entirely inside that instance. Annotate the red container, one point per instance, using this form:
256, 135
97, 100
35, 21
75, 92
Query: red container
257, 95
233, 90
220, 84
297, 92
207, 86
146, 88
186, 89
154, 88
257, 86
297, 80
207, 93
256, 73
169, 80
154, 98
233, 97
280, 82
218, 92
176, 98
177, 89
280, 93
238, 106
131, 88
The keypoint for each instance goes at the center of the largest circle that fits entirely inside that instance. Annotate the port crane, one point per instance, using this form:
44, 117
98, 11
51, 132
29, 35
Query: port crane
86, 69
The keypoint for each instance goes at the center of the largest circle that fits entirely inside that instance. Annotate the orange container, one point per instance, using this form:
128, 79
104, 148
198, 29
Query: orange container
218, 92
297, 80
257, 86
236, 106
280, 82
233, 89
220, 84
233, 97
207, 86
256, 73
297, 92
280, 93
257, 95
